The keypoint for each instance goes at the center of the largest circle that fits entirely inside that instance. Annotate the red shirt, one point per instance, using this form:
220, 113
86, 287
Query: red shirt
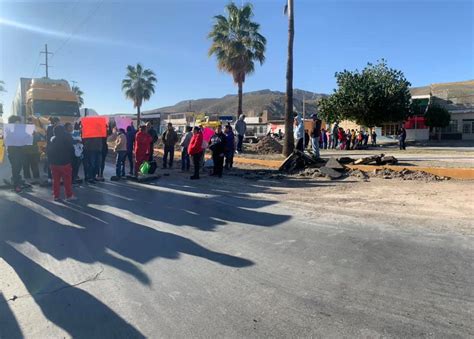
142, 142
195, 145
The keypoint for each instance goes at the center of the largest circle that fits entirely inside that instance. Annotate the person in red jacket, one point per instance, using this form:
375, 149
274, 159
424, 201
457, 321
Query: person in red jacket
142, 148
195, 150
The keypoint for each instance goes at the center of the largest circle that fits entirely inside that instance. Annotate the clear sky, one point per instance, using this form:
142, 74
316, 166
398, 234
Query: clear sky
93, 41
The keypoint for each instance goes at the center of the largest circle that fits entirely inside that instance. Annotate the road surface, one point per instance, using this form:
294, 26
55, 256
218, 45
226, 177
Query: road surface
222, 258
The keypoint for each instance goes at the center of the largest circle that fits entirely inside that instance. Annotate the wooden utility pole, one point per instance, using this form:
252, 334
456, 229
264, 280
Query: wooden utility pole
46, 64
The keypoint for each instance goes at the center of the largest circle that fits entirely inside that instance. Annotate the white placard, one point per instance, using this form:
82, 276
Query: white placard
18, 134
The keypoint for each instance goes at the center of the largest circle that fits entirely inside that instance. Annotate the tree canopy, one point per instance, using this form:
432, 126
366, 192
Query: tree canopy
79, 93
139, 85
237, 43
437, 116
371, 97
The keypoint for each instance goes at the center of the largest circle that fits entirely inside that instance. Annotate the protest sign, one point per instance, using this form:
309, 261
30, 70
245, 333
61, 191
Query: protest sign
94, 127
123, 122
18, 134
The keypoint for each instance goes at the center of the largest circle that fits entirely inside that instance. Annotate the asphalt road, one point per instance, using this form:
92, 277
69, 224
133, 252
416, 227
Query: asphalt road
221, 258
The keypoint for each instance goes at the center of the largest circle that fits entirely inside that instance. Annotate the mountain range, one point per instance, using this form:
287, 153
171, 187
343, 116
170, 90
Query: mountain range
254, 104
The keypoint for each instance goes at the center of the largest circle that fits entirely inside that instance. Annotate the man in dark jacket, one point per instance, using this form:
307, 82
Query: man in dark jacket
169, 138
217, 146
60, 155
315, 134
130, 144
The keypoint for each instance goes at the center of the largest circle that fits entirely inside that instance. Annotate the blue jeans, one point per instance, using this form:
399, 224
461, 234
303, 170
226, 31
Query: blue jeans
185, 161
315, 143
94, 163
120, 163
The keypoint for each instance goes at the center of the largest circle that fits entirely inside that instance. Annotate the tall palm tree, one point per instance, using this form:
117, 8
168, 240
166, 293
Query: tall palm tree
289, 141
79, 93
138, 86
237, 44
2, 86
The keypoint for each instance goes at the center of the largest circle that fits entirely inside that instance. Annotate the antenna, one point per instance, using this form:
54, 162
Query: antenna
46, 64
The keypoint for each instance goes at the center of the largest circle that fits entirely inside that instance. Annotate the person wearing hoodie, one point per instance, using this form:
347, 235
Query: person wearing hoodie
195, 150
229, 147
240, 128
60, 156
217, 146
130, 142
299, 132
121, 151
142, 148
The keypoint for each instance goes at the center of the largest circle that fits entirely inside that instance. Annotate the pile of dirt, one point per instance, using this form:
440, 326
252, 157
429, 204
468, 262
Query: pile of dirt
405, 174
268, 145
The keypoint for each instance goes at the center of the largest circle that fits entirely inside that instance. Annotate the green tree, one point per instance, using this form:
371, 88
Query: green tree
375, 96
139, 86
79, 93
328, 110
289, 141
437, 117
237, 44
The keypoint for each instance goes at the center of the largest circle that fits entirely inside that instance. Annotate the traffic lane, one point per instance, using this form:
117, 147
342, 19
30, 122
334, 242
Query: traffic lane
306, 278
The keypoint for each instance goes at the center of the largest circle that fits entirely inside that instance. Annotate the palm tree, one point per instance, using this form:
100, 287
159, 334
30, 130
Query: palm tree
79, 93
2, 86
237, 44
289, 141
138, 86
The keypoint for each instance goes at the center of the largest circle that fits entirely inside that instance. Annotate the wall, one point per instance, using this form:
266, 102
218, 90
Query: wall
418, 134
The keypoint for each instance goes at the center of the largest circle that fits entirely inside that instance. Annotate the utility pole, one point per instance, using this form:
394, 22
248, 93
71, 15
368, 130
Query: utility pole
46, 64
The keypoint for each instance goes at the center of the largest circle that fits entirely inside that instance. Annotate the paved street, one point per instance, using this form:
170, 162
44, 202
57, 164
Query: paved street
223, 258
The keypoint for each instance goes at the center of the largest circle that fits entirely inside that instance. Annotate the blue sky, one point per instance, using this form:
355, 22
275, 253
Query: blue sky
430, 41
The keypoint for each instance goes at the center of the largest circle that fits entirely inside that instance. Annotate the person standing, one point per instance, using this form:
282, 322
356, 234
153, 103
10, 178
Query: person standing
121, 151
217, 147
299, 132
184, 143
92, 158
240, 128
335, 135
169, 138
373, 136
53, 122
324, 138
130, 146
78, 149
60, 155
104, 153
15, 156
154, 138
316, 135
31, 157
402, 135
195, 151
229, 147
142, 148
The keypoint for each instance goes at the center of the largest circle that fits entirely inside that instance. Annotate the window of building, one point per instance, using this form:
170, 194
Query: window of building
468, 126
451, 128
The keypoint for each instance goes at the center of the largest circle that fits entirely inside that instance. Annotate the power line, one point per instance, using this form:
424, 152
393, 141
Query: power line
78, 27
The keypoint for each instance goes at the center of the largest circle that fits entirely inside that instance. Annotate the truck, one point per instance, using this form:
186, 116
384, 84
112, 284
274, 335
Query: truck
42, 98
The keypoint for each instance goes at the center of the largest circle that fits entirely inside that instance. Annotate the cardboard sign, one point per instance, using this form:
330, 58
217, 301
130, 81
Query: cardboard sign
123, 122
18, 134
94, 127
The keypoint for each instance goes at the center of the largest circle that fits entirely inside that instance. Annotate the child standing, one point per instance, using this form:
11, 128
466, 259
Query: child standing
60, 155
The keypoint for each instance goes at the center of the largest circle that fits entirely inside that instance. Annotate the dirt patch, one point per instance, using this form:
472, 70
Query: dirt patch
405, 174
268, 145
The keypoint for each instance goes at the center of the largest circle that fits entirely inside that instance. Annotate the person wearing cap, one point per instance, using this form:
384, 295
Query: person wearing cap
315, 135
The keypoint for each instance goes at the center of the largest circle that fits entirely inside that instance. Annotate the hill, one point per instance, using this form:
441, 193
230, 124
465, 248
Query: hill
254, 104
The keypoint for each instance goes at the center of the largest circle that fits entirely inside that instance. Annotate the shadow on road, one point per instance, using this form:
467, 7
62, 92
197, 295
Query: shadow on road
114, 224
